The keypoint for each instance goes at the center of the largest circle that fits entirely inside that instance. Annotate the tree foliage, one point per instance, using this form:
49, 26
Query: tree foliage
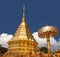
3, 49
44, 49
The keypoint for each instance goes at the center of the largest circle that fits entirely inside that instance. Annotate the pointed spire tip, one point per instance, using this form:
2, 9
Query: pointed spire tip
23, 14
24, 11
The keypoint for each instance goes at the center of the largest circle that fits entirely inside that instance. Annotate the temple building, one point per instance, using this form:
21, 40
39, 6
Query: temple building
23, 43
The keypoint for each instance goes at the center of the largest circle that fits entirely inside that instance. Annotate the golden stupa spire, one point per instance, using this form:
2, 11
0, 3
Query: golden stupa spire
23, 14
23, 32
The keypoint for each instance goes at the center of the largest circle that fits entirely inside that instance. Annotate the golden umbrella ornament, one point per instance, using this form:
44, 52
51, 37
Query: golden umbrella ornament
48, 32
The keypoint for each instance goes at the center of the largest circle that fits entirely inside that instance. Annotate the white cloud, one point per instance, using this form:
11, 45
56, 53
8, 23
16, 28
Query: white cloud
4, 38
43, 43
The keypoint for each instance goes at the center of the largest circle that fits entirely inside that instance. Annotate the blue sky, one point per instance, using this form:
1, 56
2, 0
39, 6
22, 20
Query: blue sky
38, 13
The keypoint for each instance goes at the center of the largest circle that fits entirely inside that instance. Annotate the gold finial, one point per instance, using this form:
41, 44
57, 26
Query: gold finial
23, 14
23, 11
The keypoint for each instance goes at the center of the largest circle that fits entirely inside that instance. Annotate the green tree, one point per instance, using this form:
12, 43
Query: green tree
2, 50
44, 49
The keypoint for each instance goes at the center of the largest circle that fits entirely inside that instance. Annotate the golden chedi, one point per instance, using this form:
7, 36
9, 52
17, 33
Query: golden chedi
22, 44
